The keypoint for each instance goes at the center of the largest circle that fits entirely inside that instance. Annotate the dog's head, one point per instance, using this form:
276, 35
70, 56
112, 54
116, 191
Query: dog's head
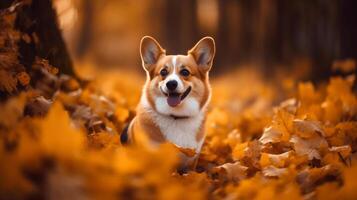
177, 85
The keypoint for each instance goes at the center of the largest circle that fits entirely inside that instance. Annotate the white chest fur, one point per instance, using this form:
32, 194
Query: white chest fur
181, 132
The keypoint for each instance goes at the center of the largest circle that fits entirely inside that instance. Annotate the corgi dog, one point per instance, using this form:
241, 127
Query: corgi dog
175, 96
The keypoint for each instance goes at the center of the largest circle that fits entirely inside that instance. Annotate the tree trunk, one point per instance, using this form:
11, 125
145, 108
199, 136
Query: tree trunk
39, 20
30, 45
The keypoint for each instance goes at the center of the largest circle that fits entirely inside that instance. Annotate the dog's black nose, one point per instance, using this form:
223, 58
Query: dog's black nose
171, 85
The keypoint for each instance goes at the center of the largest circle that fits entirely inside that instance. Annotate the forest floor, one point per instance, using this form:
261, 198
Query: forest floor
257, 145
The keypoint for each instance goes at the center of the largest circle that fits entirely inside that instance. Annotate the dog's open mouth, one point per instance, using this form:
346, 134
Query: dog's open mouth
174, 99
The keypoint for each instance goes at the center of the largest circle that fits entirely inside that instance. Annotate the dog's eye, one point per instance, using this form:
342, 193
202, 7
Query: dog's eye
164, 72
184, 72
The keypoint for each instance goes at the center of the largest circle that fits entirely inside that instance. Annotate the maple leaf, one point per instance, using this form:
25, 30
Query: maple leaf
277, 160
271, 135
272, 171
307, 128
235, 171
309, 146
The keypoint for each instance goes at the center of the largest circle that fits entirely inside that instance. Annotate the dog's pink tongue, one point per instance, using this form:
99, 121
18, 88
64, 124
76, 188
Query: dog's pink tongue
173, 100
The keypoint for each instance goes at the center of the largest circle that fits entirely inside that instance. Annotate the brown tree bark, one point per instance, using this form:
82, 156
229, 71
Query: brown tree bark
38, 19
30, 45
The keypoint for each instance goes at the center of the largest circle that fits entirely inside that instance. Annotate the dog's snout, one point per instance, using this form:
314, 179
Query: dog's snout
171, 85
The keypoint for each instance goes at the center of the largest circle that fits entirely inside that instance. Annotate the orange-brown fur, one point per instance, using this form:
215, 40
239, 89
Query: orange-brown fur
198, 62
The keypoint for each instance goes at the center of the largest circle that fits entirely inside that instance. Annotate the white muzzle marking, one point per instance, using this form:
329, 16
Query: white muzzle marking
173, 76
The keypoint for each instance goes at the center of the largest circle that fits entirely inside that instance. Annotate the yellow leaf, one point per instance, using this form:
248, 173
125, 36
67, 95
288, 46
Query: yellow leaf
58, 136
238, 151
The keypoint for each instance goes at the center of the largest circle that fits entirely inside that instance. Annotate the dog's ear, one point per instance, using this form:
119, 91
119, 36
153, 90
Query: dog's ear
203, 53
150, 52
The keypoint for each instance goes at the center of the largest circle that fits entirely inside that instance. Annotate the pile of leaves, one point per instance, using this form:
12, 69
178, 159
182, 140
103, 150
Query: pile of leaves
303, 150
59, 137
12, 73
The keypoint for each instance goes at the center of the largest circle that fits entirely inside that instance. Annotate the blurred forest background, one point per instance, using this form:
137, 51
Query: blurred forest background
268, 33
271, 34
